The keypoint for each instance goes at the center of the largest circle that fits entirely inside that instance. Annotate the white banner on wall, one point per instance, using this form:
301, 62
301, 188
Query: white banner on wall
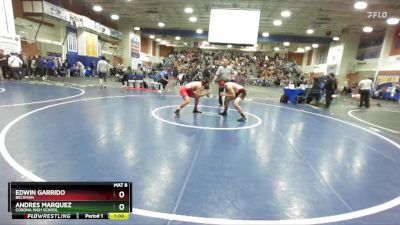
76, 20
335, 55
72, 42
88, 23
56, 11
102, 29
95, 26
115, 33
10, 43
135, 46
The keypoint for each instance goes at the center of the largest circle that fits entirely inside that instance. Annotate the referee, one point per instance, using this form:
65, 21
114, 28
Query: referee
223, 75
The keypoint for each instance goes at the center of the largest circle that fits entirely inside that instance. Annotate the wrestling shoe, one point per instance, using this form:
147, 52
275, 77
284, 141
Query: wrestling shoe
242, 119
177, 113
223, 113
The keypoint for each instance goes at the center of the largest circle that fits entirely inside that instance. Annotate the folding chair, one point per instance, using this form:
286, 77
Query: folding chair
153, 83
139, 79
131, 79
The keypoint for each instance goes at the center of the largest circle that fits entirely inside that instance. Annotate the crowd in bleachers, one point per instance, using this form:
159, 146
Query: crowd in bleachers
249, 68
185, 66
18, 66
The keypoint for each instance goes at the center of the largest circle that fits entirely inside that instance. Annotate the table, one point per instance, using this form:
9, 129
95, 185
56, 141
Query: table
292, 93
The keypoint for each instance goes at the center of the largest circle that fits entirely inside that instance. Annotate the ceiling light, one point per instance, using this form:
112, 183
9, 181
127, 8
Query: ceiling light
307, 48
199, 31
163, 42
392, 21
136, 28
177, 38
265, 34
97, 8
229, 46
152, 36
188, 10
161, 24
158, 39
368, 29
185, 43
193, 19
286, 43
315, 45
360, 5
286, 13
300, 50
277, 22
336, 38
114, 17
276, 49
310, 31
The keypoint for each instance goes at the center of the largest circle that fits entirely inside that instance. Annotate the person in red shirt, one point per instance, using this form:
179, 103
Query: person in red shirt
196, 90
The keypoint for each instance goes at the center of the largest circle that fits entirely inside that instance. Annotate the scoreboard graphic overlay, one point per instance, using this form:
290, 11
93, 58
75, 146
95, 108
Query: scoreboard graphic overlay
71, 200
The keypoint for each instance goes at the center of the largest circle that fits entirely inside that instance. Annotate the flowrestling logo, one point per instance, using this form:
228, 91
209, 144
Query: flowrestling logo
377, 15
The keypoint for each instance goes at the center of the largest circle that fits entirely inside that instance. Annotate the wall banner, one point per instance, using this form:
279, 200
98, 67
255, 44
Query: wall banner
56, 11
91, 44
10, 43
135, 46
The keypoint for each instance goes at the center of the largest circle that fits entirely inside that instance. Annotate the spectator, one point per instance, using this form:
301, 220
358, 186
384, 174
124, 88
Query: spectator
4, 65
365, 86
346, 89
93, 68
81, 69
102, 69
162, 78
51, 67
315, 91
15, 64
67, 68
25, 66
42, 66
74, 70
207, 72
125, 78
330, 87
33, 66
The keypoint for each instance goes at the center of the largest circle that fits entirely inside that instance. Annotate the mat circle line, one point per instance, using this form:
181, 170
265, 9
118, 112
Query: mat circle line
50, 100
350, 113
154, 114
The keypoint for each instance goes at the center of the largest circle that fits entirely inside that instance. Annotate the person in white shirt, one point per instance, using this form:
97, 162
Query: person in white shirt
15, 63
102, 69
223, 75
365, 86
33, 67
81, 69
235, 92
